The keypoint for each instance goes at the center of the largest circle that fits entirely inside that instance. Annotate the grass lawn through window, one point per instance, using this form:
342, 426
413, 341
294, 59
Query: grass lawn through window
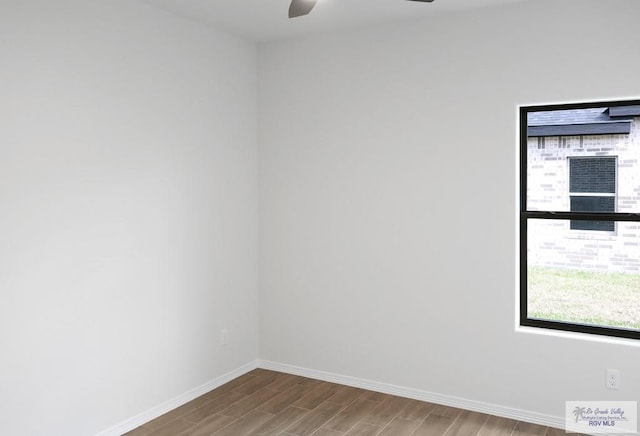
585, 297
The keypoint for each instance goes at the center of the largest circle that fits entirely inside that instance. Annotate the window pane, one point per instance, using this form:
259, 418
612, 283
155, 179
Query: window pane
590, 279
581, 159
592, 175
603, 226
582, 151
592, 204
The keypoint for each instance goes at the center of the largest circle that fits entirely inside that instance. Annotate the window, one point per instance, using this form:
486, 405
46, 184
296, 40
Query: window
592, 188
580, 217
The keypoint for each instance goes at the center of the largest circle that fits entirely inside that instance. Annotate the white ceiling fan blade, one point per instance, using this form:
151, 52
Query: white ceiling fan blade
300, 7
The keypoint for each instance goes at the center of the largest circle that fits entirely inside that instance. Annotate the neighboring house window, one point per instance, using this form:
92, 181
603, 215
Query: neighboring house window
592, 188
580, 217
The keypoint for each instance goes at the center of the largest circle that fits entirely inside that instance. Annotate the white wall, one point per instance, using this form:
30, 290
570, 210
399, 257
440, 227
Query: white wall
128, 211
388, 199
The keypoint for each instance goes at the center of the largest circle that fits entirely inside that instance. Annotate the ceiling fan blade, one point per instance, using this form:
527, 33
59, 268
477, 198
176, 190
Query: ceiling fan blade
423, 1
299, 8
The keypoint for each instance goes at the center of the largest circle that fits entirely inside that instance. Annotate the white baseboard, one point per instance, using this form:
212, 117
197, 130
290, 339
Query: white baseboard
167, 406
416, 394
386, 388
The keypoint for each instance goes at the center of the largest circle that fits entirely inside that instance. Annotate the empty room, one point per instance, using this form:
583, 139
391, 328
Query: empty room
342, 217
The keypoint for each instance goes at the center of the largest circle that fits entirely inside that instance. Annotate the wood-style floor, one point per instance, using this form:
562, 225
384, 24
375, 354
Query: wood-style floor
270, 403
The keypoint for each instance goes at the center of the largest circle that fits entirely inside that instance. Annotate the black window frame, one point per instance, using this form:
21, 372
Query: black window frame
525, 215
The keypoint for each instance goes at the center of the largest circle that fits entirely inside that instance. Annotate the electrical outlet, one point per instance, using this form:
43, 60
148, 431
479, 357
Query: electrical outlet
224, 337
613, 379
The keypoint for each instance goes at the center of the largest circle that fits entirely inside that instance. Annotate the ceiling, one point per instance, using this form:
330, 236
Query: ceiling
266, 20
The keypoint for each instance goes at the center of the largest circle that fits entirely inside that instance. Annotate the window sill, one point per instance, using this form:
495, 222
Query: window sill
592, 235
577, 336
